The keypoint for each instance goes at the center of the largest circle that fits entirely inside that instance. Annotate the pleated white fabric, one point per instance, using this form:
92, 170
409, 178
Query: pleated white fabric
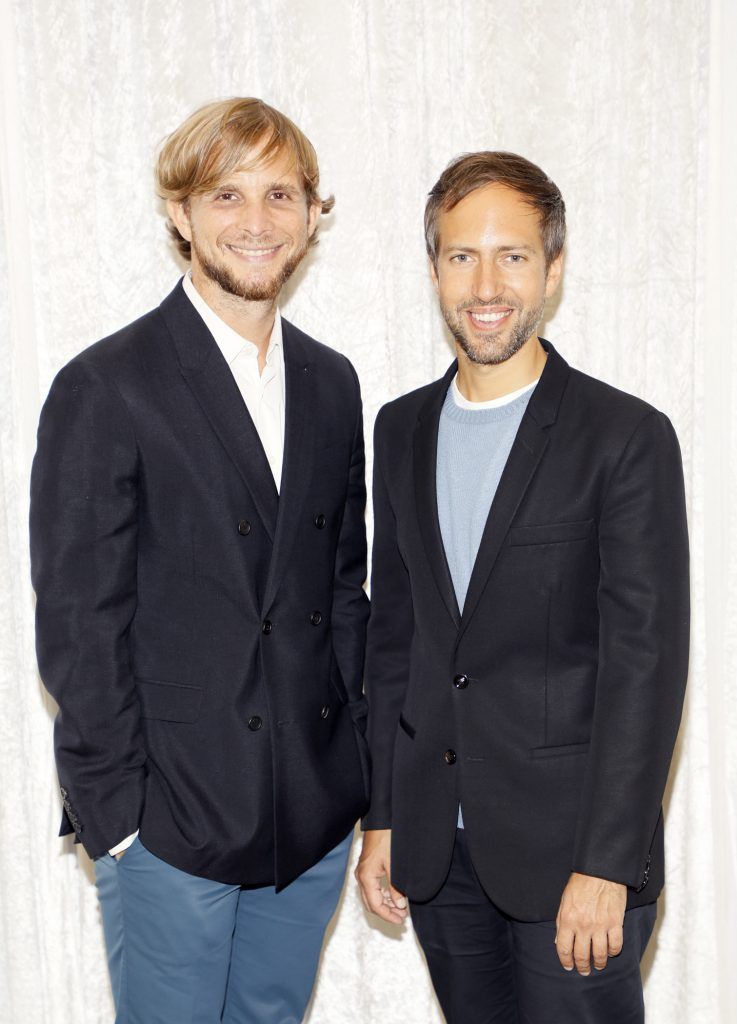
629, 106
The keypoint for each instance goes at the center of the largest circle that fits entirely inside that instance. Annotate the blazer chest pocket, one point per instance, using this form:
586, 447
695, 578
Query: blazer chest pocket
550, 533
169, 702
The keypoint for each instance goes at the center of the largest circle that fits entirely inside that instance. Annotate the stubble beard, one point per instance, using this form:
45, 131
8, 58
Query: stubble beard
491, 351
265, 290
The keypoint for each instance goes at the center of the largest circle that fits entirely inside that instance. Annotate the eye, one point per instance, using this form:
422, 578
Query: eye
515, 257
460, 257
279, 195
227, 196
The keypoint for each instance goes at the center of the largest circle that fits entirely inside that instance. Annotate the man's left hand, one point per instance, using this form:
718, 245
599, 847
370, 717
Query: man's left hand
590, 917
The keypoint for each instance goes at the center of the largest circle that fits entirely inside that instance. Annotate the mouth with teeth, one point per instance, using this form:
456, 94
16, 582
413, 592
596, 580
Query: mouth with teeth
253, 254
489, 319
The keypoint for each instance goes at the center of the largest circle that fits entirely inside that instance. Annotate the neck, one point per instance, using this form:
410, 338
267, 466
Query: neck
254, 321
481, 383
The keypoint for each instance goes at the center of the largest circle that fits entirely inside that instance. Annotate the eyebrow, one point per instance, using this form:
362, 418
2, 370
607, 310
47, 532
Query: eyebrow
274, 186
498, 248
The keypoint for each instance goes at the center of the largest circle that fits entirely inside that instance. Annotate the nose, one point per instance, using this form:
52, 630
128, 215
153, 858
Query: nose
255, 217
487, 281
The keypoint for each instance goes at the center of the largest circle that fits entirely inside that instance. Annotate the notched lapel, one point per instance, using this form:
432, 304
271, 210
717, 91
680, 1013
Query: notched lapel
299, 450
425, 455
208, 375
527, 451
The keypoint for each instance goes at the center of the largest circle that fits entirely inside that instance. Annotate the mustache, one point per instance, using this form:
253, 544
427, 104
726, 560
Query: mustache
498, 300
252, 241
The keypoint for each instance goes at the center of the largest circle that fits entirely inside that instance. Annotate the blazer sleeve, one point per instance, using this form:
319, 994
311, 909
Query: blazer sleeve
643, 603
390, 631
350, 603
83, 563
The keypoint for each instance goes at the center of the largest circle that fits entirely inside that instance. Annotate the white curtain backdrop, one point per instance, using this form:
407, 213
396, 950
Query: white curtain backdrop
630, 106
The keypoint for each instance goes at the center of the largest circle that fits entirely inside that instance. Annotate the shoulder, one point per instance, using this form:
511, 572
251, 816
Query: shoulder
116, 356
403, 411
607, 409
322, 356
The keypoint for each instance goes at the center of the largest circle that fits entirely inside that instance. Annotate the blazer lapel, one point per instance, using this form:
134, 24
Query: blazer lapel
299, 450
208, 375
426, 495
528, 448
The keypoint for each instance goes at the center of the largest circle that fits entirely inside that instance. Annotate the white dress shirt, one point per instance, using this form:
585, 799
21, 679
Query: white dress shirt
264, 395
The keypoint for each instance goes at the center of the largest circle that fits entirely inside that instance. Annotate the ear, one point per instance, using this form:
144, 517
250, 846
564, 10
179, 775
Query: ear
313, 215
179, 216
433, 274
552, 278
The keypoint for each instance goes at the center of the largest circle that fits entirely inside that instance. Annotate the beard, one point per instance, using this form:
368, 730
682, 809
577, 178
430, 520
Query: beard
259, 290
490, 351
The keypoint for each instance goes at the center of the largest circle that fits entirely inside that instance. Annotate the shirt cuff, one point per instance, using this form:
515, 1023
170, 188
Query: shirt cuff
122, 846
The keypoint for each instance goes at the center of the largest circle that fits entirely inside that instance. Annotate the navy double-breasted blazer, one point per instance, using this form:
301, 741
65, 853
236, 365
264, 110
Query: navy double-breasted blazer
549, 707
202, 634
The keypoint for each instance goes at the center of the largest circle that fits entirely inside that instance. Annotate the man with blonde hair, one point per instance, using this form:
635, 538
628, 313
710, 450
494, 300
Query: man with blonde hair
198, 553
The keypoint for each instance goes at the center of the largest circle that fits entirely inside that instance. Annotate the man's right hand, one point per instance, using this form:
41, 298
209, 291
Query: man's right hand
374, 878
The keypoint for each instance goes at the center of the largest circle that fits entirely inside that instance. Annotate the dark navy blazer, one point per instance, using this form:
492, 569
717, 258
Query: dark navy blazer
550, 707
202, 634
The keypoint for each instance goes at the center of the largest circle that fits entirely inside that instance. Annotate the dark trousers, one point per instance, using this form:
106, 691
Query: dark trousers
486, 967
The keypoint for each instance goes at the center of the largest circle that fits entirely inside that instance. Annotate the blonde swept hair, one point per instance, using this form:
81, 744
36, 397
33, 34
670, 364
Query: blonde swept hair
222, 136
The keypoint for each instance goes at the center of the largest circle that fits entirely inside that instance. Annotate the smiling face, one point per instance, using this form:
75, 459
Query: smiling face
249, 234
490, 273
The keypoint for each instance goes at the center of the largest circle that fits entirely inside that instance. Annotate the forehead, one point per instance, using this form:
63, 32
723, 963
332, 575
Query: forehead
494, 214
253, 169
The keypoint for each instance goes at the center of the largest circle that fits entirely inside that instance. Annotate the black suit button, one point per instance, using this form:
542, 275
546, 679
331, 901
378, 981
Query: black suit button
325, 711
320, 521
266, 627
316, 618
460, 682
254, 723
450, 756
244, 527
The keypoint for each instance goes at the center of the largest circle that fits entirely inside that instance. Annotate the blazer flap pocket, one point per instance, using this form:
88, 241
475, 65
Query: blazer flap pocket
562, 751
550, 533
169, 702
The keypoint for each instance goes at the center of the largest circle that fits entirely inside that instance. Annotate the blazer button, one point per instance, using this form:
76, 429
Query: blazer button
244, 527
460, 682
320, 521
325, 711
316, 618
450, 756
266, 627
254, 723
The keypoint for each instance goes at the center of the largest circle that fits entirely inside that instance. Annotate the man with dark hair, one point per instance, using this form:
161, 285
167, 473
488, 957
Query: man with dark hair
198, 553
528, 642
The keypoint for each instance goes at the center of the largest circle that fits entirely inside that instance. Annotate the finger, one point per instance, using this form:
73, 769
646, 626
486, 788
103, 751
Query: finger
582, 953
399, 899
564, 946
374, 902
599, 948
616, 941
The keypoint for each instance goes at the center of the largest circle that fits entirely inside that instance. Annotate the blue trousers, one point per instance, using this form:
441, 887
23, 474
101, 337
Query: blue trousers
185, 950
